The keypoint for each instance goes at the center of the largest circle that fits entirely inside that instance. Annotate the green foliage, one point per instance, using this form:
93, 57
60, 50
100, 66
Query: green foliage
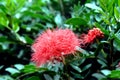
115, 74
22, 20
76, 21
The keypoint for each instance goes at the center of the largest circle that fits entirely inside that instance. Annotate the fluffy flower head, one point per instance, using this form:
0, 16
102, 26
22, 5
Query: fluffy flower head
91, 36
53, 44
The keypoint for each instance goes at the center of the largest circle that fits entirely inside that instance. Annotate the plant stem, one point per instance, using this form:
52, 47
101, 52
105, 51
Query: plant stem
111, 53
101, 49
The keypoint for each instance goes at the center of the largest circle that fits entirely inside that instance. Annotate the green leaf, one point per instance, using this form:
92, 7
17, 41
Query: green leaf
12, 70
99, 48
103, 5
3, 39
114, 74
93, 6
29, 68
3, 9
119, 3
10, 5
28, 39
106, 32
6, 77
79, 76
58, 19
110, 7
76, 68
98, 18
82, 51
116, 42
47, 77
57, 77
117, 14
33, 78
76, 21
98, 76
35, 15
3, 20
102, 63
43, 69
106, 72
15, 28
18, 37
19, 66
5, 45
1, 67
14, 6
86, 67
20, 4
82, 60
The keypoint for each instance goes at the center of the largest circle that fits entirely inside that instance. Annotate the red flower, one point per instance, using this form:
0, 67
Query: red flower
91, 36
52, 45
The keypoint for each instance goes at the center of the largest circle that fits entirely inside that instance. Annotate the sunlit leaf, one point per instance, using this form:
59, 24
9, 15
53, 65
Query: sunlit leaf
106, 72
117, 14
115, 74
19, 66
29, 68
3, 20
12, 70
93, 6
28, 39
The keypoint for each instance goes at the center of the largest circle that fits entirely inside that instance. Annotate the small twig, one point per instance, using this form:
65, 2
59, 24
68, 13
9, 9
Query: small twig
63, 59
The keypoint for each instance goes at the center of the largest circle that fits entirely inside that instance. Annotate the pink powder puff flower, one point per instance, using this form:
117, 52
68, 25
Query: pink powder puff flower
91, 36
53, 44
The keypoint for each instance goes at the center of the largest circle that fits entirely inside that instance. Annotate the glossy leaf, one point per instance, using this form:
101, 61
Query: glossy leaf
93, 6
28, 39
76, 68
76, 75
29, 68
76, 21
106, 72
3, 20
12, 70
19, 66
115, 74
98, 76
86, 67
117, 14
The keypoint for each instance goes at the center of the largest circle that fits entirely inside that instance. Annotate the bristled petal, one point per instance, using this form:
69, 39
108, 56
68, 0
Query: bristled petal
91, 36
52, 43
